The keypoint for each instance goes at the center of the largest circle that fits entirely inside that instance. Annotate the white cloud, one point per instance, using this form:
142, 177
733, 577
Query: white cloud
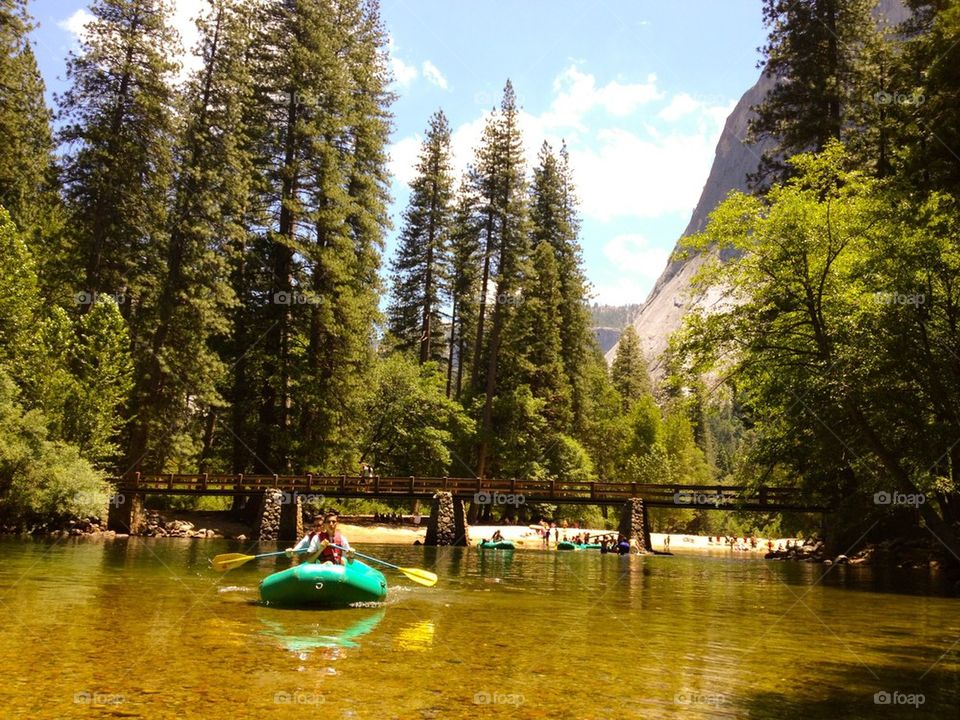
681, 105
403, 73
432, 73
633, 254
577, 93
403, 159
75, 23
623, 291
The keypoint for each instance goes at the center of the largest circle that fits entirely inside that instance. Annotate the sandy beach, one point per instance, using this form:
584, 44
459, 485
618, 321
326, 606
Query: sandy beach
526, 537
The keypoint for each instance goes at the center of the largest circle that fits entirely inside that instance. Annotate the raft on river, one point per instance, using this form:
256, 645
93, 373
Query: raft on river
567, 545
324, 585
496, 545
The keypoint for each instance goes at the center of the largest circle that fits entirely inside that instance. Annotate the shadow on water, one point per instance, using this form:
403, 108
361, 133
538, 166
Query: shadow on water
855, 690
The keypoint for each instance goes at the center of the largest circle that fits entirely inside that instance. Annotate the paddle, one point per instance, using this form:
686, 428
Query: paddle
424, 577
229, 561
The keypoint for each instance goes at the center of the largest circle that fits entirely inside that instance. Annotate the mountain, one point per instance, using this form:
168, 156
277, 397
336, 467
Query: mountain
734, 160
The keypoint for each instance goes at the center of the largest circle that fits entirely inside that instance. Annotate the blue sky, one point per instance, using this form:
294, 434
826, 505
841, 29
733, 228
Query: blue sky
639, 89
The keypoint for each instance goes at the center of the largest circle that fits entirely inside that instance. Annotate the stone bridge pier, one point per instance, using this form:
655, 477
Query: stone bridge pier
279, 517
635, 525
126, 513
448, 521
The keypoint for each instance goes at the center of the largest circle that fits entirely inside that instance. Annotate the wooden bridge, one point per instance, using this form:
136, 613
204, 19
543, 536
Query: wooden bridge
483, 491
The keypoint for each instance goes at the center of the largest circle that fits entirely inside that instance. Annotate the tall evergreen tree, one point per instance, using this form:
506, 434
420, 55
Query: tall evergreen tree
815, 52
117, 135
554, 220
178, 368
629, 370
421, 269
464, 288
535, 340
502, 189
324, 100
26, 150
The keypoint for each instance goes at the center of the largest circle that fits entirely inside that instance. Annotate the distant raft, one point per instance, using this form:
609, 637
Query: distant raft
324, 585
496, 545
567, 545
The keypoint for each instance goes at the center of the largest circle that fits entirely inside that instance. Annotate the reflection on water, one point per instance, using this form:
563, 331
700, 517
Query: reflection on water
326, 633
144, 628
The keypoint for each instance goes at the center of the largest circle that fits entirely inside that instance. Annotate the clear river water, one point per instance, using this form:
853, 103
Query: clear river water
143, 628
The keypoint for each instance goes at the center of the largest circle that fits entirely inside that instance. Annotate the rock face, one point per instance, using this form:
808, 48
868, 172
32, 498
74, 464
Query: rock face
671, 298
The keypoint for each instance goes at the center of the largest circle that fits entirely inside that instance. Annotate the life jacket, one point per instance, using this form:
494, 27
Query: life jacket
329, 553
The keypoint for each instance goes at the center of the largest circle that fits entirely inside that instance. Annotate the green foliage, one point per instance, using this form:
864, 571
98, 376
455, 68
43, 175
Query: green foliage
629, 370
411, 425
837, 330
41, 479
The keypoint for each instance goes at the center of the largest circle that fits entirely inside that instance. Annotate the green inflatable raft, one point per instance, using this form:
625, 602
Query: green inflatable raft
324, 585
496, 545
567, 545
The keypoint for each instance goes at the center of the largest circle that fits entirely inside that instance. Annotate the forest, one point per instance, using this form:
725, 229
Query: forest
191, 275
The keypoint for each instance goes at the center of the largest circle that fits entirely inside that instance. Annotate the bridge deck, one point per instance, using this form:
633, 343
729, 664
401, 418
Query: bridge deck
485, 491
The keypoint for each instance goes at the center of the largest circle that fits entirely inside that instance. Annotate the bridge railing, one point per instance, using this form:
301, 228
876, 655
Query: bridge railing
533, 490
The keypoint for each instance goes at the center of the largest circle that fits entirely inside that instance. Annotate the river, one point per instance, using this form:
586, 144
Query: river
143, 627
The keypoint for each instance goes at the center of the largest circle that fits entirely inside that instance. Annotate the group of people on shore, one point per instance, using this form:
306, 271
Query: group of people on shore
747, 542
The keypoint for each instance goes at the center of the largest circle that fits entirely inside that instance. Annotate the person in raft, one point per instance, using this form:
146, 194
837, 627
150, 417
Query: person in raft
317, 542
497, 536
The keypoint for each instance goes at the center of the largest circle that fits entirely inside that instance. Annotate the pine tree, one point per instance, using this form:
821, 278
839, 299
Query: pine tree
117, 133
421, 268
26, 149
534, 339
554, 220
629, 370
502, 188
179, 370
814, 51
324, 101
464, 288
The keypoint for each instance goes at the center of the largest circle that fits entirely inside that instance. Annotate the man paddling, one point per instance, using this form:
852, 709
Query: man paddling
320, 541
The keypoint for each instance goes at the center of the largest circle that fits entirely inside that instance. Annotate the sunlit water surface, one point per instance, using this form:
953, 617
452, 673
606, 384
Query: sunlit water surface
144, 628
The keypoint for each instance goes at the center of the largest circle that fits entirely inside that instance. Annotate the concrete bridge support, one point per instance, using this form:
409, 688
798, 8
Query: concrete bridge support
448, 521
635, 525
126, 513
279, 517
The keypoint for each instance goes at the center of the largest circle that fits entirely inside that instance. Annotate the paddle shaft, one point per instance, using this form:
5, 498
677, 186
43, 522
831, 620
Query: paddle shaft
367, 557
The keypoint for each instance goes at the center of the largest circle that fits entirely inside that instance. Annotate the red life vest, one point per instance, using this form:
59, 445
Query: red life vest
329, 553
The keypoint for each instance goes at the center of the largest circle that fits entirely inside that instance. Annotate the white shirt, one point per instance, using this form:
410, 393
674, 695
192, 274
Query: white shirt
311, 541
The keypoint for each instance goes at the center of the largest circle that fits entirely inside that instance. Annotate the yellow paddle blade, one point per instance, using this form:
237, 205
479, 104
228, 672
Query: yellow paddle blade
424, 577
229, 561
